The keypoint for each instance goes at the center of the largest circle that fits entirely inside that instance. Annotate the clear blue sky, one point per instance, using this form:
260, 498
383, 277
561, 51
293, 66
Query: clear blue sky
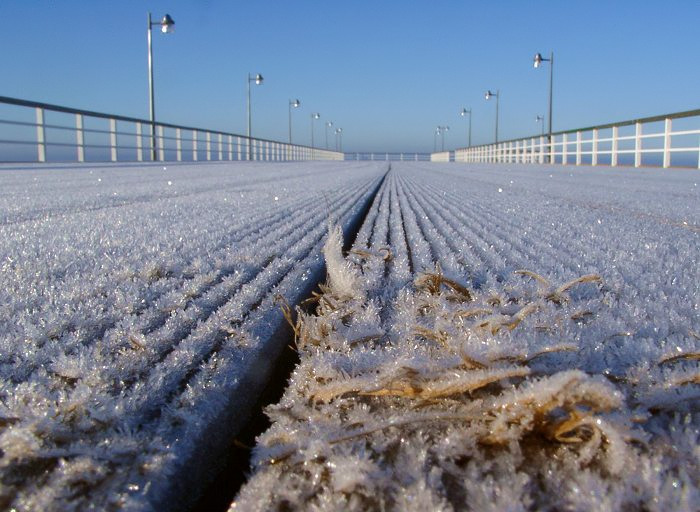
387, 72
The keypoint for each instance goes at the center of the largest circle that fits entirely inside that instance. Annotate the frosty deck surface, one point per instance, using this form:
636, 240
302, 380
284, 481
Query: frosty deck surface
135, 299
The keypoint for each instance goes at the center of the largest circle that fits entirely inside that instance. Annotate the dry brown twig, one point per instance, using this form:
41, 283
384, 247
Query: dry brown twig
432, 282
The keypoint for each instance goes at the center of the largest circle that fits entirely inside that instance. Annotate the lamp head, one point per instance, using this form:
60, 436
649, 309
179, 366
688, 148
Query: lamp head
295, 103
488, 95
315, 115
167, 25
259, 79
329, 123
537, 61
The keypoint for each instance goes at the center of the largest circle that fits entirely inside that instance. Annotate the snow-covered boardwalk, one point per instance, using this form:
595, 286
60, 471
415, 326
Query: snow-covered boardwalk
141, 309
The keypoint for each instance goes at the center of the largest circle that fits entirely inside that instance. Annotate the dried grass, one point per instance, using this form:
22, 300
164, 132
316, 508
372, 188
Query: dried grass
687, 356
462, 381
432, 282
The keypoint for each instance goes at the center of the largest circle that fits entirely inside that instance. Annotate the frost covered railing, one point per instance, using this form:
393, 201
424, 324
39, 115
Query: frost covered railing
389, 157
33, 131
442, 156
665, 140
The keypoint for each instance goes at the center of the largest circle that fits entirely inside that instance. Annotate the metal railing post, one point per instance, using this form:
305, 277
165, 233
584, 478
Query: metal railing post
564, 152
637, 144
541, 159
594, 150
40, 135
139, 143
195, 156
613, 156
230, 147
208, 139
113, 140
221, 148
79, 137
178, 144
161, 144
578, 148
550, 144
667, 143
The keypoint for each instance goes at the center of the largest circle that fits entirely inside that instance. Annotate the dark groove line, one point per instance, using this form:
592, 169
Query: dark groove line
224, 487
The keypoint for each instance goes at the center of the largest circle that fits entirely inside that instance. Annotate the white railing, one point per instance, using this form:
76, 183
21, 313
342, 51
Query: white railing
650, 141
389, 157
55, 133
442, 156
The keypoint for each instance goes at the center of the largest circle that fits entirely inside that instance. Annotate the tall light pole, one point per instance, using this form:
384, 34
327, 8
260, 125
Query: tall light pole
294, 104
328, 125
537, 62
497, 95
314, 116
540, 119
339, 137
441, 131
167, 26
437, 132
258, 79
463, 113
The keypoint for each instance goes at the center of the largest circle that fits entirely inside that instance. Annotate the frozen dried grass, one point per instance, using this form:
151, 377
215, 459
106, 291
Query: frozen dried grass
452, 401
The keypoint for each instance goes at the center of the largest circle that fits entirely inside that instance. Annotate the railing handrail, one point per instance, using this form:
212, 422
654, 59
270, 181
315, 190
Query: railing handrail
101, 115
630, 122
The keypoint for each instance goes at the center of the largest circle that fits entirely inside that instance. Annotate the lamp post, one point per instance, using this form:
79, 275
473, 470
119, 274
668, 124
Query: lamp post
258, 79
463, 113
441, 131
328, 125
537, 62
488, 96
294, 104
339, 139
437, 132
166, 26
540, 119
314, 116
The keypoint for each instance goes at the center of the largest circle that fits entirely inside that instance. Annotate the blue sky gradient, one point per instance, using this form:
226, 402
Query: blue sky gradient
386, 72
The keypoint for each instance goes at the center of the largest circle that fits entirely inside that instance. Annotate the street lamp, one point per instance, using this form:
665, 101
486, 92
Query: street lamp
463, 113
441, 131
437, 132
339, 139
540, 119
537, 62
328, 125
314, 116
488, 96
294, 104
258, 79
167, 26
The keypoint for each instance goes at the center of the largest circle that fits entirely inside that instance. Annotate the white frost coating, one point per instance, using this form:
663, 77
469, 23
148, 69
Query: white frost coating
136, 301
343, 279
565, 377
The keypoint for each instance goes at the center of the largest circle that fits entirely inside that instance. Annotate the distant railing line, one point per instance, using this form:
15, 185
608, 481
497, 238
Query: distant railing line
563, 149
173, 144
